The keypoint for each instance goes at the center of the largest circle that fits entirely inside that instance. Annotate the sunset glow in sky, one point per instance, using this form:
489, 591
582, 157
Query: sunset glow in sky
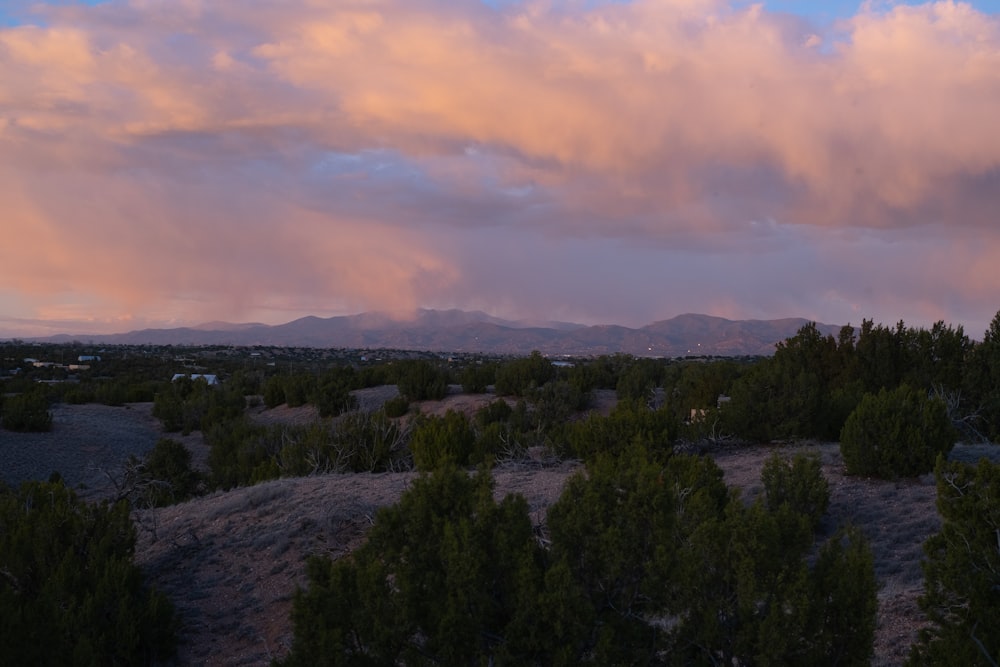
171, 162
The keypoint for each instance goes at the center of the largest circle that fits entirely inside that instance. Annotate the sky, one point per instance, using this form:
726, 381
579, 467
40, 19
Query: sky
171, 162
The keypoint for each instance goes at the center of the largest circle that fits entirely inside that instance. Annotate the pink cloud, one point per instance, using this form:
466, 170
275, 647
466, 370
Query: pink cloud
187, 153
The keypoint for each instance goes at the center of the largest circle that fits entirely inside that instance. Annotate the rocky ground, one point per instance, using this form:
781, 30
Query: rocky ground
231, 561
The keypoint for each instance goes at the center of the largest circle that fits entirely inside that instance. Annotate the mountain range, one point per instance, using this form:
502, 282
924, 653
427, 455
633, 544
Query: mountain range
464, 331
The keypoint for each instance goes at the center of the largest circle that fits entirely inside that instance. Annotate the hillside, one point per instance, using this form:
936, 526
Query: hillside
231, 560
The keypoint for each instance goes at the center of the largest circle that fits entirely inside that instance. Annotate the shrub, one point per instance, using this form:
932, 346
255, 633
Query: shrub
897, 433
448, 576
648, 563
476, 378
845, 603
369, 442
555, 402
616, 530
520, 376
27, 412
799, 484
494, 412
274, 391
168, 407
421, 381
168, 475
332, 395
630, 423
962, 570
444, 440
69, 591
396, 407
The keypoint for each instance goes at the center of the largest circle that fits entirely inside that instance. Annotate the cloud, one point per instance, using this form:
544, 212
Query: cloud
297, 155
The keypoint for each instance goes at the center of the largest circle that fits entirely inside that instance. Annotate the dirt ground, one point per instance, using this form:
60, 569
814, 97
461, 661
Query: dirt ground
231, 561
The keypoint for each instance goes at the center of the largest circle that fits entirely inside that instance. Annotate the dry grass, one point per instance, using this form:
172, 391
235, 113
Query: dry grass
232, 561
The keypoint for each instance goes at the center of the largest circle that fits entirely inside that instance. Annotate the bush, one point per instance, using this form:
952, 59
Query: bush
519, 376
332, 395
897, 433
617, 530
648, 563
962, 570
167, 474
497, 411
476, 378
422, 381
799, 484
69, 591
396, 407
369, 442
187, 405
444, 440
555, 402
27, 412
630, 423
448, 576
274, 391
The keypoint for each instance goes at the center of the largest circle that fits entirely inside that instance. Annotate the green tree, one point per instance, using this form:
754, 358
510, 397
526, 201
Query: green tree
981, 383
421, 380
188, 405
938, 357
438, 441
698, 385
69, 591
844, 602
629, 423
615, 530
798, 483
746, 595
519, 376
650, 561
332, 395
962, 570
897, 433
168, 407
241, 452
800, 392
447, 576
299, 388
599, 373
476, 377
166, 474
883, 355
274, 391
639, 380
555, 402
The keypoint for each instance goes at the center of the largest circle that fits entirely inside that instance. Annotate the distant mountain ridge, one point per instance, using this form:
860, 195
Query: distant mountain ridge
464, 331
